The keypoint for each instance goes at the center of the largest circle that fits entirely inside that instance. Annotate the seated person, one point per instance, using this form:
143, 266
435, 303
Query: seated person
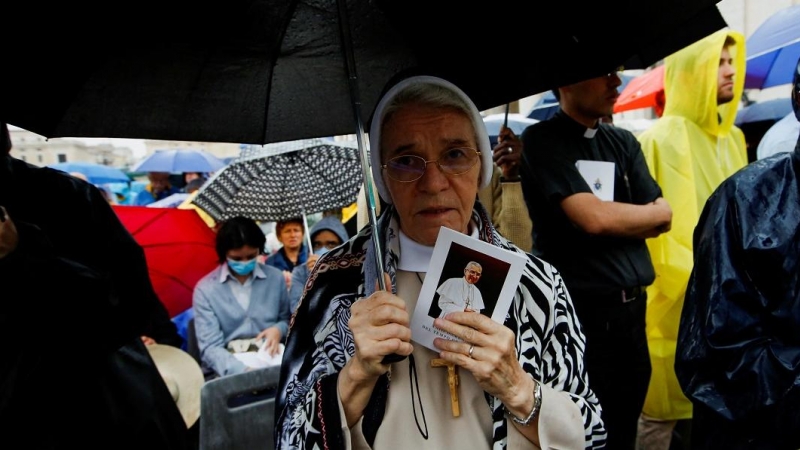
240, 299
326, 234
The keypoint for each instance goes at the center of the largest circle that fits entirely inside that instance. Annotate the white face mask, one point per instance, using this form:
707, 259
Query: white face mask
321, 251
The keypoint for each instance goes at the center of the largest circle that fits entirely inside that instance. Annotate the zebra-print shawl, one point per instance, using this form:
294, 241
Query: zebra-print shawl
549, 341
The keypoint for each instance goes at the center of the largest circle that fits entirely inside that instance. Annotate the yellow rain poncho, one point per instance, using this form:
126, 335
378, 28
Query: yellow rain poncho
692, 148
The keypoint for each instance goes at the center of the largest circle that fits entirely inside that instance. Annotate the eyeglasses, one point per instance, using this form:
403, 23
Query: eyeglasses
408, 168
473, 272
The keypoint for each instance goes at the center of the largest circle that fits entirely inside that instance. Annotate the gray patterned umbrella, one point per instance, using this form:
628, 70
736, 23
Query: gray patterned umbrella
284, 180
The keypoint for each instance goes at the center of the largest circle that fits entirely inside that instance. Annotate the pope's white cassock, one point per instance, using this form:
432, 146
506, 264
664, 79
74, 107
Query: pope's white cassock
456, 295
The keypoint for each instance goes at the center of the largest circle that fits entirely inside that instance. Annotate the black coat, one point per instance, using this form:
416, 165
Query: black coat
75, 298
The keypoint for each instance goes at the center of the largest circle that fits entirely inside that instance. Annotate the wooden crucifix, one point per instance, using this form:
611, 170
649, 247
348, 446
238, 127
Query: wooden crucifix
452, 380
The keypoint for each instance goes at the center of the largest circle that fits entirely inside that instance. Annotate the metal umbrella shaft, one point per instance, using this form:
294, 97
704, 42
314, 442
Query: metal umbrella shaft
350, 67
352, 79
308, 233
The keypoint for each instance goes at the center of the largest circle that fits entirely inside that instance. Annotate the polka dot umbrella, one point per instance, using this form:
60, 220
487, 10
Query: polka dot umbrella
284, 180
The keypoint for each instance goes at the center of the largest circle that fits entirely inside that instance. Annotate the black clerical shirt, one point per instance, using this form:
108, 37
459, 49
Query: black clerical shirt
598, 264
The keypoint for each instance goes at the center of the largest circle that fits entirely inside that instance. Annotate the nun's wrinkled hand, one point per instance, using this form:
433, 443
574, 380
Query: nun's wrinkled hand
487, 351
9, 238
380, 326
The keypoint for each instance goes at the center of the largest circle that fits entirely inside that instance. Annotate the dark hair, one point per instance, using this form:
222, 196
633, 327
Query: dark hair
282, 223
237, 232
729, 41
194, 185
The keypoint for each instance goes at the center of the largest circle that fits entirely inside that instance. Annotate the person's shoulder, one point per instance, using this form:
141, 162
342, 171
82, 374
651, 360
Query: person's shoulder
210, 278
539, 129
272, 259
619, 132
143, 198
270, 271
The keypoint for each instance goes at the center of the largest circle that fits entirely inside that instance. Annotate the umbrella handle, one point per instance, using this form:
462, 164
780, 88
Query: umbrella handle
350, 68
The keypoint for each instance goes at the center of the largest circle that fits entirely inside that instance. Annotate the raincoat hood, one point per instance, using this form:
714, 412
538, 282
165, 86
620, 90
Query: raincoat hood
690, 150
690, 82
331, 224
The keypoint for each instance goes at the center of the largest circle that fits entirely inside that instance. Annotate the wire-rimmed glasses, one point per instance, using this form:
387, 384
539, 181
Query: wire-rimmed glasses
453, 161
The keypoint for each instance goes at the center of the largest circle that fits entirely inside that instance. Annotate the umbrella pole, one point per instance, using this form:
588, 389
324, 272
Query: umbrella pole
350, 68
308, 234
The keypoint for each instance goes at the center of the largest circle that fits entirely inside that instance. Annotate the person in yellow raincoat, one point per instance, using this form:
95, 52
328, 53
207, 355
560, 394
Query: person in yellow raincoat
692, 148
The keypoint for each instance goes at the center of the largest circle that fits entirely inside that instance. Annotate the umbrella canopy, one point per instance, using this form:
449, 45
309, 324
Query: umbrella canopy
773, 49
284, 180
179, 248
273, 70
643, 91
173, 201
95, 173
516, 122
781, 137
773, 110
183, 160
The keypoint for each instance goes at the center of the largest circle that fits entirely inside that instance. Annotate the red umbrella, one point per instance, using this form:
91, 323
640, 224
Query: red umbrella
644, 91
179, 248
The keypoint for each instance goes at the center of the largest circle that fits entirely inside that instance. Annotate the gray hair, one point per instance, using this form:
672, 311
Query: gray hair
474, 264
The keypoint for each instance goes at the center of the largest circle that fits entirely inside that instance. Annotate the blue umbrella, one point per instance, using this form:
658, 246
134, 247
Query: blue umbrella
773, 50
774, 110
517, 123
183, 160
545, 108
95, 173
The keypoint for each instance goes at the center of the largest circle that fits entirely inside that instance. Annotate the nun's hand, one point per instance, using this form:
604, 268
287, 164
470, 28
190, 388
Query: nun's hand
493, 358
380, 326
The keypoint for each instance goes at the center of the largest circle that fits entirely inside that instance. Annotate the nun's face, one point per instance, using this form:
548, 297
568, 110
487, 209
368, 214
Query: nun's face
435, 199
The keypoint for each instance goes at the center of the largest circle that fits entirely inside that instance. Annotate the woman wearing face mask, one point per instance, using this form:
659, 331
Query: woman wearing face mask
240, 299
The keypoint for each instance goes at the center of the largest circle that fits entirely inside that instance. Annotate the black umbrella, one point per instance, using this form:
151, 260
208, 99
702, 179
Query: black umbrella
260, 71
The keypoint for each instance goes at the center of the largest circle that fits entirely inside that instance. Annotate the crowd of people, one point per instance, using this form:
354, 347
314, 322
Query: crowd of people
657, 308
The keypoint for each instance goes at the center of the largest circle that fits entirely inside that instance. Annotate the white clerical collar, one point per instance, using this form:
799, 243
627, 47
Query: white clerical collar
590, 132
415, 257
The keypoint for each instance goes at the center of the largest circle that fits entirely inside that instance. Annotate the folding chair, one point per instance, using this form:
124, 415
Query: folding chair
237, 411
